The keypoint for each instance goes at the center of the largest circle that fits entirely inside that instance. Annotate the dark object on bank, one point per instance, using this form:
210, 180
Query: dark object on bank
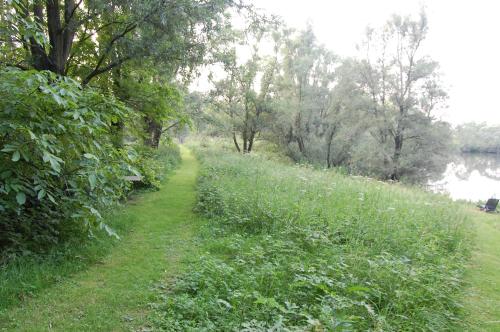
490, 206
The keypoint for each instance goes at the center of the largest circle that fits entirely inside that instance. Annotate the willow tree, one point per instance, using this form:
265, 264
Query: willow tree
304, 91
403, 85
244, 97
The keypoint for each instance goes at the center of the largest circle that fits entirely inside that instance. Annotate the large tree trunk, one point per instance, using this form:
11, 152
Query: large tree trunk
235, 141
61, 35
251, 139
329, 148
59, 19
154, 131
398, 147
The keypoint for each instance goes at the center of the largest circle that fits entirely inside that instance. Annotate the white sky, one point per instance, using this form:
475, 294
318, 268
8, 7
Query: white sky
463, 37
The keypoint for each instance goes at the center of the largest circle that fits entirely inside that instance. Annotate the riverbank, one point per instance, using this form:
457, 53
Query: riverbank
470, 177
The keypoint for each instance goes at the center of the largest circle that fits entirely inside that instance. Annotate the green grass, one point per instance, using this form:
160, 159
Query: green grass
482, 302
285, 247
116, 281
293, 248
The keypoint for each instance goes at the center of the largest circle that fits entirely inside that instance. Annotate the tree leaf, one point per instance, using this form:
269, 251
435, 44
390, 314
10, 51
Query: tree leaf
15, 156
90, 156
55, 165
9, 148
92, 181
21, 198
41, 194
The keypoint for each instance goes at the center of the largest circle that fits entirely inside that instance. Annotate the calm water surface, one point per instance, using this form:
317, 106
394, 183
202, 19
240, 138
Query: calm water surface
470, 177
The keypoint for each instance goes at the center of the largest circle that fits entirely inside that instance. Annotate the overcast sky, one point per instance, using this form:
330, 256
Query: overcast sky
463, 37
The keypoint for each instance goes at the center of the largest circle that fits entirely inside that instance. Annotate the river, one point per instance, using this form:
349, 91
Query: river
470, 176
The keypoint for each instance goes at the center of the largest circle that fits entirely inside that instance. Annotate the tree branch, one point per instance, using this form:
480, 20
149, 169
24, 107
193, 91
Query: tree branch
98, 71
171, 126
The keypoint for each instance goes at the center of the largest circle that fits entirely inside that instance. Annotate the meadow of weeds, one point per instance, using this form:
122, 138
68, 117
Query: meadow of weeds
290, 248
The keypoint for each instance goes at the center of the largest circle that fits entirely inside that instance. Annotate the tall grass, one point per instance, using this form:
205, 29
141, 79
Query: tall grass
295, 249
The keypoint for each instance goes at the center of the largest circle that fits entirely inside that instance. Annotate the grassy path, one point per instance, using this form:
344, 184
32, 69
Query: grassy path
114, 295
483, 276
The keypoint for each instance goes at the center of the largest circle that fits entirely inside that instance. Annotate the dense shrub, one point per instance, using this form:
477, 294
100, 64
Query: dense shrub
152, 164
295, 249
25, 276
58, 167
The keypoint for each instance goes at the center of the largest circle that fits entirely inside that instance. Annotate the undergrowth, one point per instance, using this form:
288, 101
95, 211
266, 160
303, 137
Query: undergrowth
289, 248
23, 276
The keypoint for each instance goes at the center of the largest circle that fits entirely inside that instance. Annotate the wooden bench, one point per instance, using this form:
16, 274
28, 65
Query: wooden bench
133, 178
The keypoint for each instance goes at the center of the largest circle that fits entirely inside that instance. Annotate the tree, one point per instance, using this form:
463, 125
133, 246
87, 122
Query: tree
304, 92
89, 38
244, 96
155, 98
346, 117
478, 137
402, 85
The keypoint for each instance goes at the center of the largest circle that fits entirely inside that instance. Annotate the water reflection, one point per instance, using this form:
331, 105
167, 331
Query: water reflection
471, 177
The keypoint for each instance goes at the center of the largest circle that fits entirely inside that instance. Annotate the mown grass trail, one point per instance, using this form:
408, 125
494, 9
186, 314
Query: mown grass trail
483, 274
114, 295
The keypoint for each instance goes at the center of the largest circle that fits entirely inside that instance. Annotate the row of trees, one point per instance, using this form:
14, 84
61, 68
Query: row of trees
478, 137
373, 114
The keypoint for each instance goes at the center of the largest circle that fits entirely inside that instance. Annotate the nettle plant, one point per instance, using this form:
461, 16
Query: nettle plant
58, 167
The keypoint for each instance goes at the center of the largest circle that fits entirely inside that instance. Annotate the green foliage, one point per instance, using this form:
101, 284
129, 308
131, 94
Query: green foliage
242, 109
65, 148
371, 115
24, 277
151, 164
157, 101
58, 164
295, 249
89, 39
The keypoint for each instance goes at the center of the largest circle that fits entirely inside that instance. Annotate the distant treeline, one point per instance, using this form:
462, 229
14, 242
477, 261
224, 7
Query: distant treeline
478, 137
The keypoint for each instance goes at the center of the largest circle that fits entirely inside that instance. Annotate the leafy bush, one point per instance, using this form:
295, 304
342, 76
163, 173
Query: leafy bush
153, 164
296, 249
25, 276
58, 166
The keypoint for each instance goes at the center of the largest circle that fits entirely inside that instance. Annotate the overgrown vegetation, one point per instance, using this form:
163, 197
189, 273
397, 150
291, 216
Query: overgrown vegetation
49, 174
89, 91
94, 91
24, 276
292, 248
53, 183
